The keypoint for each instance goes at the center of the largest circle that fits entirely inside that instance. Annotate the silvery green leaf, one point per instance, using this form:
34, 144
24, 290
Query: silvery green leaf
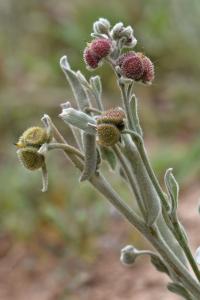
101, 26
95, 82
108, 155
179, 290
77, 88
158, 264
127, 31
197, 256
78, 119
89, 144
44, 178
133, 104
184, 234
82, 79
172, 189
116, 30
96, 87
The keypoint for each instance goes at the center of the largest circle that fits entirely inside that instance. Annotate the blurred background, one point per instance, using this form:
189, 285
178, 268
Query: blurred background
65, 244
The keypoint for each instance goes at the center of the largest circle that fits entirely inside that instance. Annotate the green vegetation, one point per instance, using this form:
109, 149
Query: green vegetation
33, 36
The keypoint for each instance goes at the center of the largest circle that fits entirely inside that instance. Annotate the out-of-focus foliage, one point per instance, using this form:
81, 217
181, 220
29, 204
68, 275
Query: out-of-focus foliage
33, 36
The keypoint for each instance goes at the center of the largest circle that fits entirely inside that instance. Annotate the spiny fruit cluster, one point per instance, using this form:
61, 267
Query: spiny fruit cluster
109, 126
136, 66
96, 51
29, 144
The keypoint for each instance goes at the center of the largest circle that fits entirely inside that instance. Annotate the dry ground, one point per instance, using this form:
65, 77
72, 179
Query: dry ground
25, 275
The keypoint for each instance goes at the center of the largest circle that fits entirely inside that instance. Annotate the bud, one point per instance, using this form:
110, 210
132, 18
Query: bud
148, 74
30, 158
101, 47
132, 67
113, 116
101, 26
90, 59
34, 136
136, 66
116, 31
124, 56
78, 119
128, 255
108, 134
127, 32
124, 34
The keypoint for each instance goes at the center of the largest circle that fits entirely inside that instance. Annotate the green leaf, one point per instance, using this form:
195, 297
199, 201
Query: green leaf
96, 84
158, 264
172, 189
108, 155
178, 289
77, 88
134, 115
89, 143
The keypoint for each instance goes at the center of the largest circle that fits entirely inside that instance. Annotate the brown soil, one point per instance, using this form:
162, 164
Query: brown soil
25, 275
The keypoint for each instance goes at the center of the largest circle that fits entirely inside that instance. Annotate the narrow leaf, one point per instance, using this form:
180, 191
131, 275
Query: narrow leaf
197, 256
159, 264
134, 115
77, 88
108, 155
172, 189
89, 143
179, 290
78, 119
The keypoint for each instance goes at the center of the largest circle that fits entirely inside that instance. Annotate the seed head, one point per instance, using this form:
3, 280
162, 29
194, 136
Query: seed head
91, 60
96, 51
124, 56
148, 74
101, 47
30, 158
136, 66
33, 136
114, 116
108, 134
132, 67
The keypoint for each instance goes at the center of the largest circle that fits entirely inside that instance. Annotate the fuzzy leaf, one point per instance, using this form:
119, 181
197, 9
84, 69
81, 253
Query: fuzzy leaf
77, 88
197, 256
89, 143
158, 264
108, 155
134, 115
78, 119
172, 189
179, 290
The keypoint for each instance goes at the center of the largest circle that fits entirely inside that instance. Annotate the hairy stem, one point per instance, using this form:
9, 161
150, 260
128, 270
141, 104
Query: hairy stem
131, 179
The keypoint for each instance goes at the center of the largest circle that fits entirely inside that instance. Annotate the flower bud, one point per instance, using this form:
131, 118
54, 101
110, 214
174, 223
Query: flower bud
100, 47
123, 57
116, 31
113, 116
148, 74
132, 67
91, 60
78, 119
136, 66
101, 26
108, 134
30, 158
34, 136
128, 255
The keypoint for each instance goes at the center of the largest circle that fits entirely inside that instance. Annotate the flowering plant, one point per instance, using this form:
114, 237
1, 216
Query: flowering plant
115, 135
